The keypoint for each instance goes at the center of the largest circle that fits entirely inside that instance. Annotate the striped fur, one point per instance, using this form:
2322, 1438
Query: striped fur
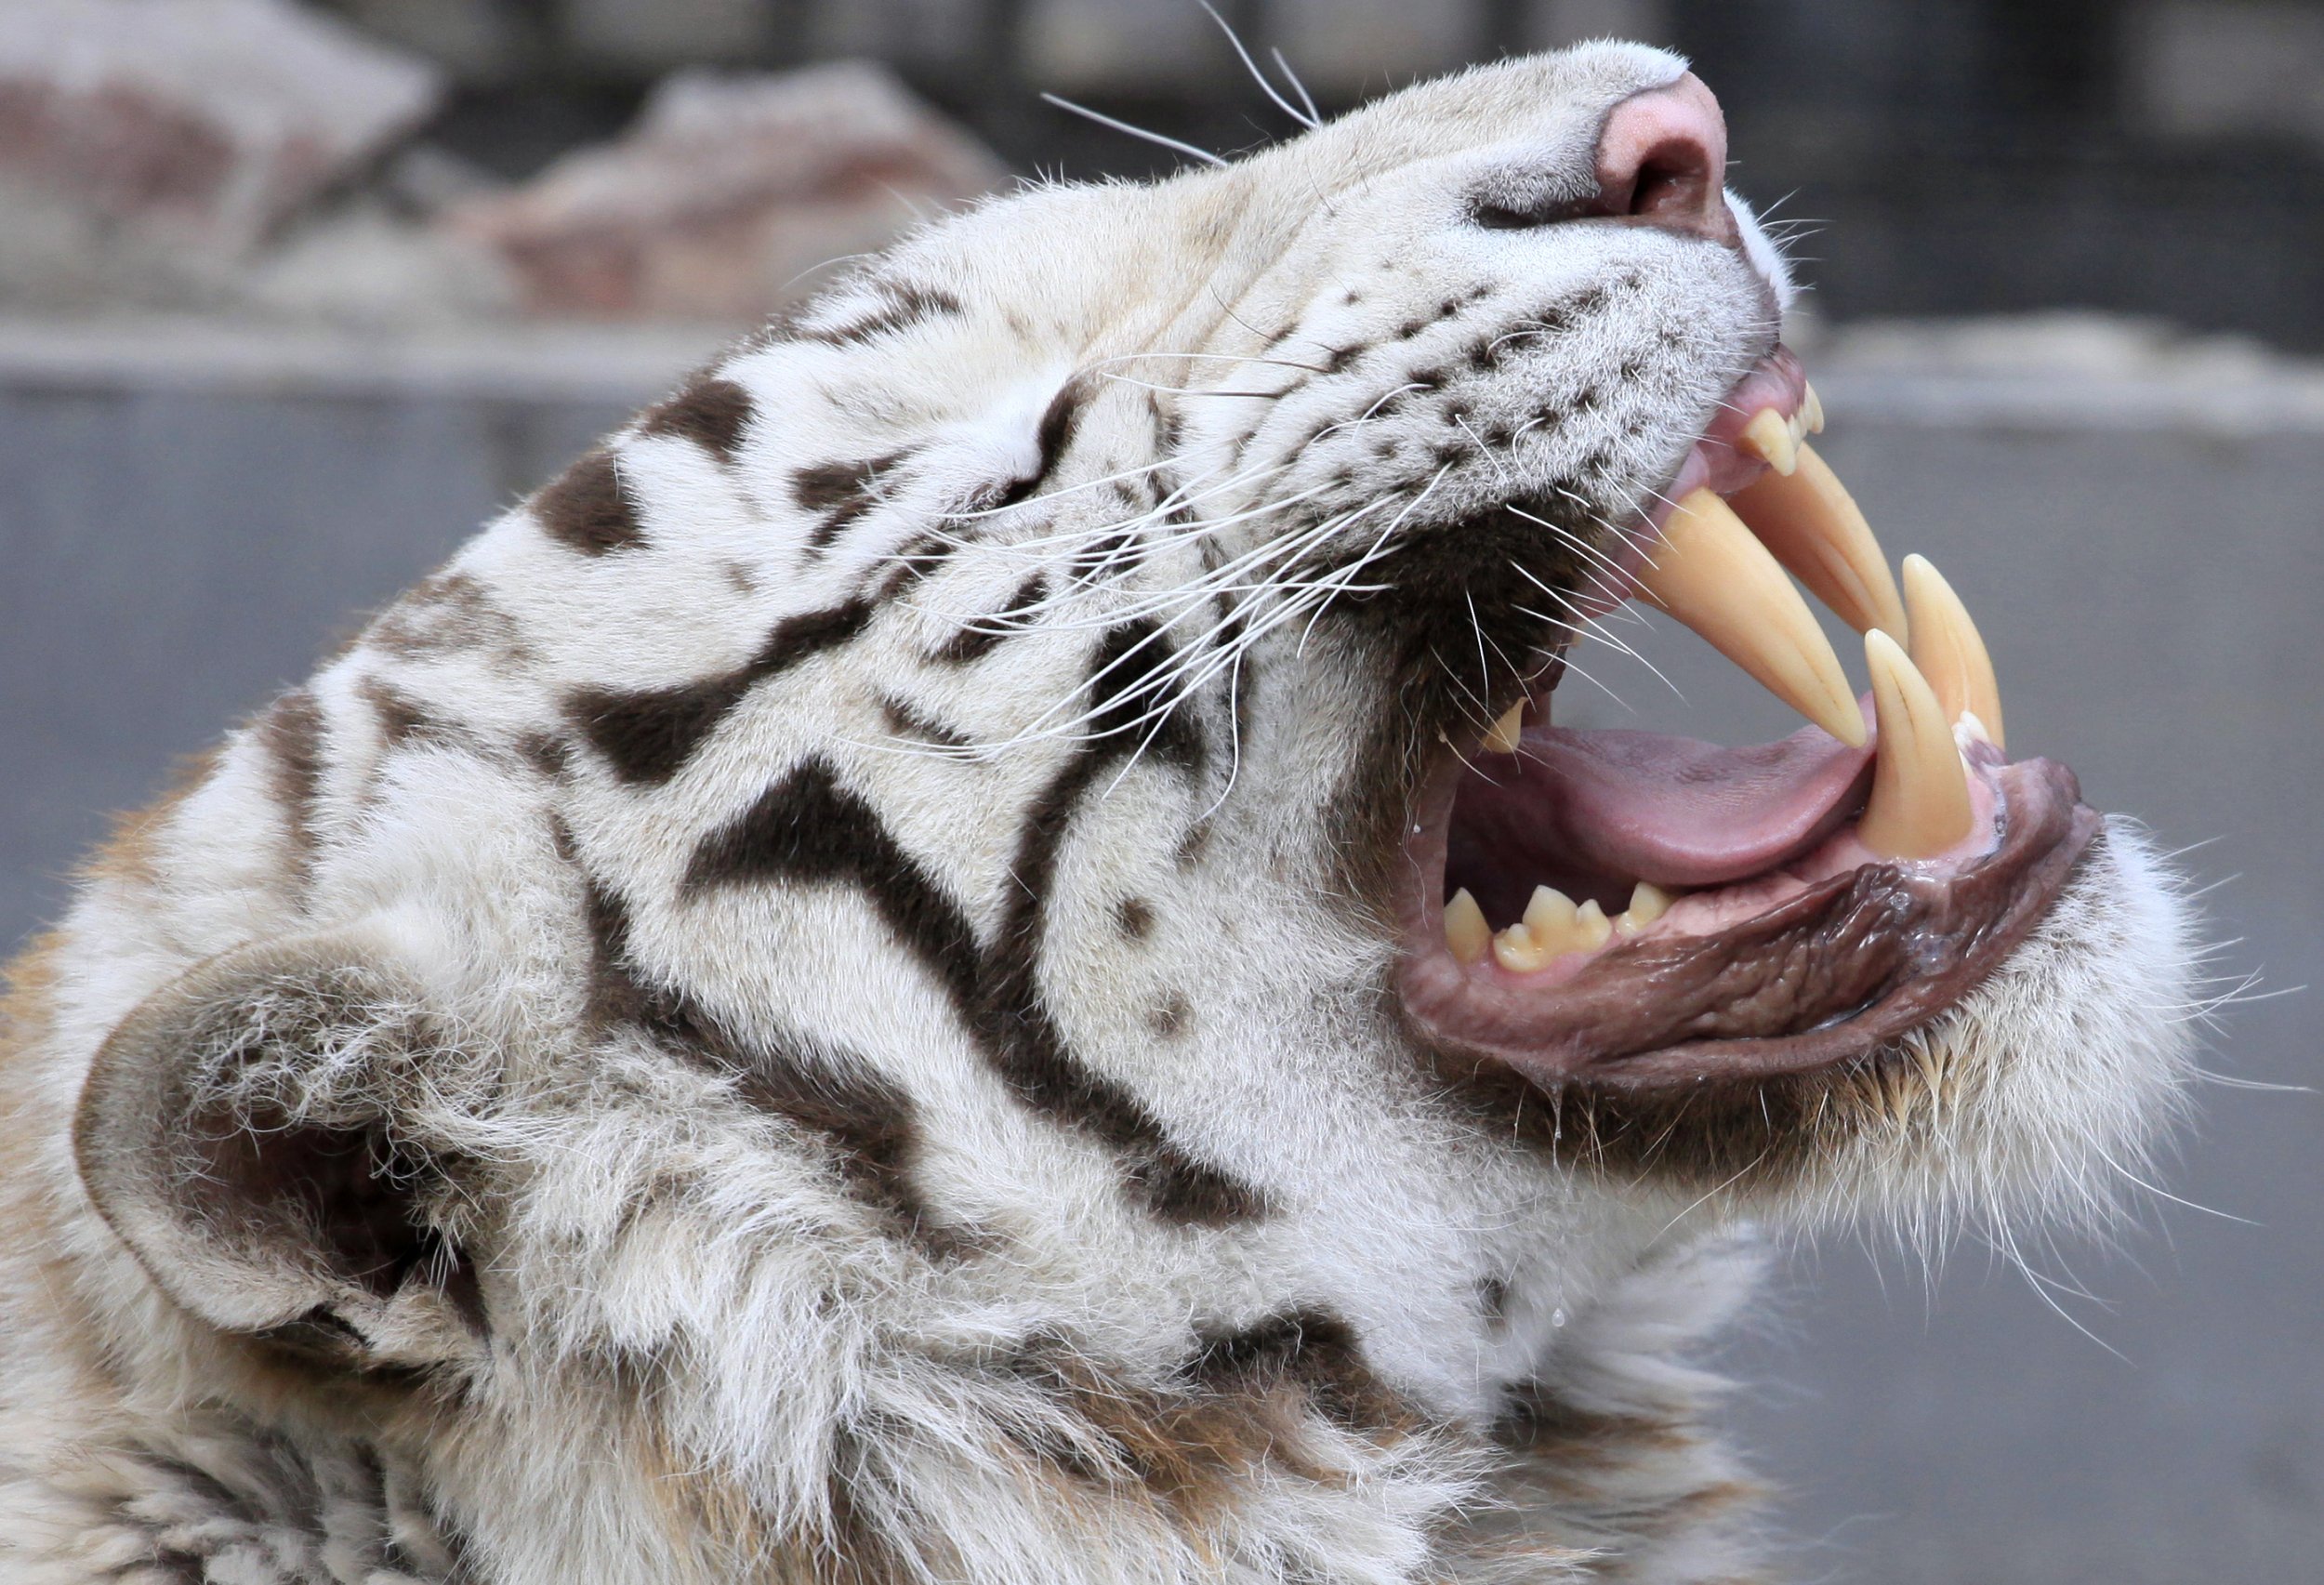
812, 1007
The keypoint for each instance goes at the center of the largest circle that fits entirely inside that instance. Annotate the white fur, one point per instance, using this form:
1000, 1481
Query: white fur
696, 1327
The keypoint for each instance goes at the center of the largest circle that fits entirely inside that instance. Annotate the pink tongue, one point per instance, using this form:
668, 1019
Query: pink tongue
1682, 812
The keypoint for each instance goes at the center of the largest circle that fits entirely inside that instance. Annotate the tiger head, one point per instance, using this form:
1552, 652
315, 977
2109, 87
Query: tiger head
974, 950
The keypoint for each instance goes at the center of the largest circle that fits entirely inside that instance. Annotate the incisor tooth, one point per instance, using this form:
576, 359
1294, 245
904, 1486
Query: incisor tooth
1769, 438
1465, 929
1711, 574
1948, 649
1516, 950
1551, 928
1811, 524
1504, 734
1919, 803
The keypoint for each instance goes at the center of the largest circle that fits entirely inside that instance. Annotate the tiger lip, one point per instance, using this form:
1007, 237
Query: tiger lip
1790, 906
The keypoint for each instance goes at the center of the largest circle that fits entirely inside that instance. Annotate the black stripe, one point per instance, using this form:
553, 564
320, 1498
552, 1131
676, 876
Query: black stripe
588, 508
973, 643
444, 614
1128, 685
709, 410
1033, 1054
647, 735
868, 1123
905, 306
292, 733
1311, 1349
905, 720
840, 493
1060, 422
807, 827
402, 718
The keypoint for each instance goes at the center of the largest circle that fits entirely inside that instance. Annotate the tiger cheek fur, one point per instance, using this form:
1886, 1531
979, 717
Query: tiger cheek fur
820, 1004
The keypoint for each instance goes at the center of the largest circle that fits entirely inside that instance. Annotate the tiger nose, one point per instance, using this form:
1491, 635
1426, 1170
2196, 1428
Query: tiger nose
1662, 159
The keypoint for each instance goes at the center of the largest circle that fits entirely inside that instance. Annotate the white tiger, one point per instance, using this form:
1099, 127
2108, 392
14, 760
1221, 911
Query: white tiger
929, 966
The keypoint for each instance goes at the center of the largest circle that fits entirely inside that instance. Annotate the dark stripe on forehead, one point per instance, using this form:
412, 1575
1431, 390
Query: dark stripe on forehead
868, 1123
402, 718
711, 411
1054, 435
446, 614
839, 493
807, 827
291, 734
904, 305
587, 508
648, 735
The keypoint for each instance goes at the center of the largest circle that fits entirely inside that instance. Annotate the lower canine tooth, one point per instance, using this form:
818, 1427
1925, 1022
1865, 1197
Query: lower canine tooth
1769, 438
1811, 410
1465, 929
1950, 651
1711, 574
1548, 913
1504, 734
1919, 803
1811, 524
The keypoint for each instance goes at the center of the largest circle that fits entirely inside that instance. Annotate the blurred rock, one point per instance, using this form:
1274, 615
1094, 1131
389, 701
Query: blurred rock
201, 123
727, 193
364, 264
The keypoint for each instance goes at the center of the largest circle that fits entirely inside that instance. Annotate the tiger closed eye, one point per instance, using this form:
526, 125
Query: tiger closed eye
1543, 211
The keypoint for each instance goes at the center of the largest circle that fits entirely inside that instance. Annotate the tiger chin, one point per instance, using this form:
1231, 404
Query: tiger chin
973, 952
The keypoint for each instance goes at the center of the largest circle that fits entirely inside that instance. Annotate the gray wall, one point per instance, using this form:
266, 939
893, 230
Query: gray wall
184, 530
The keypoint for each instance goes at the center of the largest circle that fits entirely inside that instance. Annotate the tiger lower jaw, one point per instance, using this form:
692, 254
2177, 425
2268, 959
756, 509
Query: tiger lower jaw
1627, 910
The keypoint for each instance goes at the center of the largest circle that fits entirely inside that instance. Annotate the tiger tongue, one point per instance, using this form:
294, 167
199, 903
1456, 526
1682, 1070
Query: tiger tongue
1672, 811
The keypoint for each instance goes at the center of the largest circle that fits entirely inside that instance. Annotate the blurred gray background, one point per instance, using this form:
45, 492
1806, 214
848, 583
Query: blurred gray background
2066, 261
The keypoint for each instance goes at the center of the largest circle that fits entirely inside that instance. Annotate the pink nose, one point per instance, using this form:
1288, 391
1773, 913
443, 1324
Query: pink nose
1662, 159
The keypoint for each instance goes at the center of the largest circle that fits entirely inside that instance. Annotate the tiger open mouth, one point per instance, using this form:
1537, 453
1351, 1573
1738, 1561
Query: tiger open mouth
1624, 907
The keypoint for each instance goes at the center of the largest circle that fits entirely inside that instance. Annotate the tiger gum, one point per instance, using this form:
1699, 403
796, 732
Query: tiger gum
1762, 910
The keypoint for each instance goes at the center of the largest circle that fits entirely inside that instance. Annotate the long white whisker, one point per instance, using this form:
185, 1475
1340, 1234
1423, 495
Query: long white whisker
1314, 116
1104, 120
1305, 119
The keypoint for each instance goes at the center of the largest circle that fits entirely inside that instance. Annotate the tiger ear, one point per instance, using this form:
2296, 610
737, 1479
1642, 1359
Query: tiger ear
239, 1130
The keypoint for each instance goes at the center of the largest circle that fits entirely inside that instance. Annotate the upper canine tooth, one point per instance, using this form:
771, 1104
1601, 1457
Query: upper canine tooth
1709, 574
1919, 803
1504, 734
1948, 649
1810, 522
1769, 438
